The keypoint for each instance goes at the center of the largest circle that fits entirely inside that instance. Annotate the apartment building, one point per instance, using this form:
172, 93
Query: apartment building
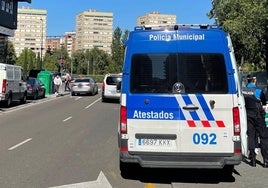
31, 31
69, 42
8, 23
156, 18
94, 29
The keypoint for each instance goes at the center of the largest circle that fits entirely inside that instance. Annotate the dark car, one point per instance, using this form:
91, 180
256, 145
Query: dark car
84, 86
35, 88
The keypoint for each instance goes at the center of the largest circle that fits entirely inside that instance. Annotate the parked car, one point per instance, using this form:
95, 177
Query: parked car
84, 86
35, 88
111, 87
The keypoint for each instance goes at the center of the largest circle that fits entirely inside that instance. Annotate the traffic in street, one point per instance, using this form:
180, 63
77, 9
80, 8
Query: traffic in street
71, 141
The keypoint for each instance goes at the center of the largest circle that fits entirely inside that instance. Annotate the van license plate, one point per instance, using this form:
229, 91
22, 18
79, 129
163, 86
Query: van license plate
155, 142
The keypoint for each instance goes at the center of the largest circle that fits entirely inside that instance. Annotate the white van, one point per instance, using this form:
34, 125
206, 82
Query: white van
181, 101
12, 86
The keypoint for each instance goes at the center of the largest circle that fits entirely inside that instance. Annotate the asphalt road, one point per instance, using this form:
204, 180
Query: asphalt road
68, 142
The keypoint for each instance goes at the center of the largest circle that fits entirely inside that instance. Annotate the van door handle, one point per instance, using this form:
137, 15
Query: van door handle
190, 107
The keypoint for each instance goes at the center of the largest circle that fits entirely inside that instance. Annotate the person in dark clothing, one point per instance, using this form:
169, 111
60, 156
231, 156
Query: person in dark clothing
255, 100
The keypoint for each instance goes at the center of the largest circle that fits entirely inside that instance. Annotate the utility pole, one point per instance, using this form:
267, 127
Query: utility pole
41, 55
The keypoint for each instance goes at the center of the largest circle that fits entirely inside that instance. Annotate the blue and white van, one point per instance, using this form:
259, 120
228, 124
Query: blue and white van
181, 101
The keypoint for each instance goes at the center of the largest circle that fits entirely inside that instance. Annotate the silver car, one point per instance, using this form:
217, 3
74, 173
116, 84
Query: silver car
84, 86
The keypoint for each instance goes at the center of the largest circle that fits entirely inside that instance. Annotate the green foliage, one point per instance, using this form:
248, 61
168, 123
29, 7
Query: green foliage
246, 21
94, 62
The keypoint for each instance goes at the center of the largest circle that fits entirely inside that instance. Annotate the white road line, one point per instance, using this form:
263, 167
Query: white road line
78, 98
67, 118
19, 144
93, 103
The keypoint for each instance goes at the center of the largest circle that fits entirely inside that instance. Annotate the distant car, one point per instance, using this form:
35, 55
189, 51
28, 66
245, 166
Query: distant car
35, 88
83, 86
111, 87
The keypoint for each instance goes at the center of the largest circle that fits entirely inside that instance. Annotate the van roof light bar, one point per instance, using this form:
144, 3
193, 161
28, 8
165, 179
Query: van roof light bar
175, 27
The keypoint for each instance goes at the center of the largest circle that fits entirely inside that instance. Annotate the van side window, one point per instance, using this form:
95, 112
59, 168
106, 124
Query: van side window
199, 73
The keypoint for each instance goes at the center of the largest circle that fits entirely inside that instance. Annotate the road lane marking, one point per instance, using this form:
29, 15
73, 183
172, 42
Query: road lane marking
67, 118
101, 182
93, 103
19, 144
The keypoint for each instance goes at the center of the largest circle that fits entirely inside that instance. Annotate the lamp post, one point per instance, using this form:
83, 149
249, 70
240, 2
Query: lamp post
41, 55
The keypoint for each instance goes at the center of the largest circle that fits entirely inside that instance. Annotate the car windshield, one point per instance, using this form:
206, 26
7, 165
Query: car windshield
195, 73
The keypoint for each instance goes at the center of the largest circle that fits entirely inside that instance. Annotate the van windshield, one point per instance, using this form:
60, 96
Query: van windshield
165, 73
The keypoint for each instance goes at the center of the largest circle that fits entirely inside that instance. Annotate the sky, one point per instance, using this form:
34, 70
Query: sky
61, 13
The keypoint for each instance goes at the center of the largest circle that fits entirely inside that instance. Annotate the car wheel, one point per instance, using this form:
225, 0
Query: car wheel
44, 94
72, 93
35, 96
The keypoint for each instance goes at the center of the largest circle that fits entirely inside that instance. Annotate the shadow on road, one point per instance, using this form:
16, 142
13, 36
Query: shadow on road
167, 176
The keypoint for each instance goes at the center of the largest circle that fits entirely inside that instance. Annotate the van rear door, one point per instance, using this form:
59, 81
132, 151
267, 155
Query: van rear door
180, 102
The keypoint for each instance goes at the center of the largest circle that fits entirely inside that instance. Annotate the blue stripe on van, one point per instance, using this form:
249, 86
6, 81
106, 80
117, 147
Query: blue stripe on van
206, 108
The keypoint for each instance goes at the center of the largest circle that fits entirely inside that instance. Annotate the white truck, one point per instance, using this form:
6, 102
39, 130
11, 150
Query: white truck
12, 85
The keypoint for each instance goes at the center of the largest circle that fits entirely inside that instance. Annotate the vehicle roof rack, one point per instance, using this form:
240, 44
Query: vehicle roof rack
175, 26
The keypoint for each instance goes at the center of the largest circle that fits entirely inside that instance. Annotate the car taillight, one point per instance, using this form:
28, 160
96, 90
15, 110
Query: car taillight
30, 88
123, 120
4, 86
236, 121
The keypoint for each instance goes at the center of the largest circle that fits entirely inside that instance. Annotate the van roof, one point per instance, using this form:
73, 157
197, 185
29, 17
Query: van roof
178, 38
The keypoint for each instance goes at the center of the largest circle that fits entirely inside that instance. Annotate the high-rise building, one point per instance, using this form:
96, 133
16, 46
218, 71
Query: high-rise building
94, 29
156, 18
69, 42
31, 31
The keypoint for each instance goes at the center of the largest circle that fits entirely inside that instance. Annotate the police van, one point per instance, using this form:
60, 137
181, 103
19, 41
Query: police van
181, 101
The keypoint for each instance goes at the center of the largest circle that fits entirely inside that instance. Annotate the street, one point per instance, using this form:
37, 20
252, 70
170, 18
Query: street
71, 141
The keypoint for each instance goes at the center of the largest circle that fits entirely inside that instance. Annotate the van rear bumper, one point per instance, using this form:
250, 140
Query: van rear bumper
181, 160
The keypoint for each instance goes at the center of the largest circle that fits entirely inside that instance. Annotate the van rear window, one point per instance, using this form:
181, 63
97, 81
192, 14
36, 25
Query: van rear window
196, 73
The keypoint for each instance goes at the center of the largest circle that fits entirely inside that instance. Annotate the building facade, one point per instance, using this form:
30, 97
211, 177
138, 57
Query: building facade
94, 29
31, 31
156, 18
69, 42
8, 24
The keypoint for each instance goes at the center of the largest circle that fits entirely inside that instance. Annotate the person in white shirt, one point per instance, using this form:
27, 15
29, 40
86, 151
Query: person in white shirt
57, 83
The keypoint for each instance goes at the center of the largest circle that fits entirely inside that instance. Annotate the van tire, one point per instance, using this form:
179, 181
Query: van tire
23, 99
8, 101
228, 170
127, 169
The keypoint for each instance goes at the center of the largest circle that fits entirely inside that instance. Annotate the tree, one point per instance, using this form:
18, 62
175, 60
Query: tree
10, 53
246, 21
118, 48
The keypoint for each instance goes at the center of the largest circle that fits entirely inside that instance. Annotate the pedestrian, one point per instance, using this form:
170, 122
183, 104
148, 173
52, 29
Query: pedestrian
255, 100
57, 83
67, 82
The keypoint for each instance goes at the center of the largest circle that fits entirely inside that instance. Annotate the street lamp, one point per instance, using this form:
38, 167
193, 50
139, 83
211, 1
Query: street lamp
41, 55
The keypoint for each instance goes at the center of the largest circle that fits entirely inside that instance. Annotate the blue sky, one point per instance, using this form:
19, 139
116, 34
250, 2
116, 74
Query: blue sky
61, 13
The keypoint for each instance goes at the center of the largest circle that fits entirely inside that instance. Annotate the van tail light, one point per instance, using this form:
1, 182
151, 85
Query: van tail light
4, 86
236, 121
237, 130
123, 120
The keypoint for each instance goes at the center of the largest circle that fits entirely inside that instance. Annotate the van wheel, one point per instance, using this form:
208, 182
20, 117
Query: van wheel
8, 101
228, 170
127, 169
23, 99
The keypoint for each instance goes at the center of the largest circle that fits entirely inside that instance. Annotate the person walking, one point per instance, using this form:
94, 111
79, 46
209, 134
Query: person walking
67, 82
255, 100
57, 83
